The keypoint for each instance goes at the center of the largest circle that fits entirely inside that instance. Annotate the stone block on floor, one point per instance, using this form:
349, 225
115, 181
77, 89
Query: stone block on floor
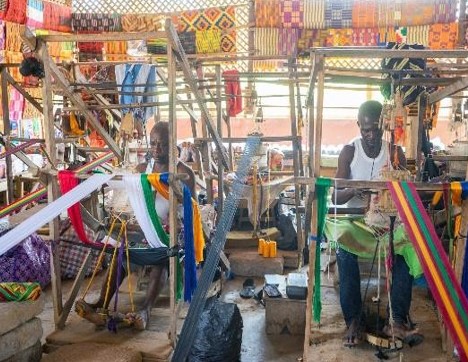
16, 313
249, 264
20, 338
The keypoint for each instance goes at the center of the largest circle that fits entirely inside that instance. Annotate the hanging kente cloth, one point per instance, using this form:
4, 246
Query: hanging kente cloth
443, 36
314, 14
365, 14
292, 14
338, 14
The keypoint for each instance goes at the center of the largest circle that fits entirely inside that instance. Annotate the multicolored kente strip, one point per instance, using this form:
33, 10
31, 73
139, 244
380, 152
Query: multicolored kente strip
19, 292
28, 198
95, 163
18, 148
447, 292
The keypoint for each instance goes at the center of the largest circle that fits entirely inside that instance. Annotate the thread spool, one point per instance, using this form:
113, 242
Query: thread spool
266, 249
261, 246
272, 249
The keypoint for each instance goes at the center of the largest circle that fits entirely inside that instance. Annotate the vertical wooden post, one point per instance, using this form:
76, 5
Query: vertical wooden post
52, 185
7, 131
219, 121
318, 66
297, 154
172, 118
422, 103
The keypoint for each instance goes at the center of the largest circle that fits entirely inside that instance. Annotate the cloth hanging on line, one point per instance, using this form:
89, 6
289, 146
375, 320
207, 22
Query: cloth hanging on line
68, 181
137, 78
232, 88
446, 290
314, 14
35, 14
52, 210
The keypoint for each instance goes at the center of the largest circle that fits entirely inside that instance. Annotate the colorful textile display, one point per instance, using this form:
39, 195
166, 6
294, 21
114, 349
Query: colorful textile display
287, 41
417, 12
188, 41
338, 14
266, 43
57, 17
388, 13
208, 41
35, 14
68, 181
313, 38
19, 292
267, 14
366, 36
418, 35
445, 11
3, 8
233, 91
459, 192
443, 36
13, 37
292, 14
386, 35
16, 11
221, 18
156, 46
141, 22
365, 14
340, 37
314, 14
96, 22
446, 290
115, 47
2, 35
29, 261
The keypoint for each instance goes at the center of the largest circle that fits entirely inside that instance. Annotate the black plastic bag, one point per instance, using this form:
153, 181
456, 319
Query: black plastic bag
219, 334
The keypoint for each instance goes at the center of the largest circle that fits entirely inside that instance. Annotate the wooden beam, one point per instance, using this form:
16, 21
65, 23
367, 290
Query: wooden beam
186, 107
448, 91
75, 99
366, 52
219, 125
7, 131
52, 184
91, 38
177, 47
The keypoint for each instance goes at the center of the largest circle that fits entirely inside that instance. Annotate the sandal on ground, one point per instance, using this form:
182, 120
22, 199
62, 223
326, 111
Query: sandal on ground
353, 334
84, 310
409, 336
248, 289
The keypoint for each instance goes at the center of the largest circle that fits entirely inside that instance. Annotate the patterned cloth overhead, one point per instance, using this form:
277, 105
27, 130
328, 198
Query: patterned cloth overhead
141, 22
364, 14
312, 38
338, 14
340, 37
2, 35
35, 14
287, 41
386, 35
314, 14
445, 11
267, 14
187, 40
292, 14
208, 41
57, 17
388, 13
13, 37
16, 12
266, 43
417, 12
3, 8
365, 36
96, 22
418, 35
443, 36
222, 18
16, 105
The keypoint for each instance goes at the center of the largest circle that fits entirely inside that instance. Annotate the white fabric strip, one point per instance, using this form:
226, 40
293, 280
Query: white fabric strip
48, 213
137, 200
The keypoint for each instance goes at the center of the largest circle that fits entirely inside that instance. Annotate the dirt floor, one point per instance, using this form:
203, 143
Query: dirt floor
326, 341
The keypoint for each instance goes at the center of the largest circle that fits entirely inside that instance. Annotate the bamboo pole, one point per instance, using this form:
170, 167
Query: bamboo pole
7, 131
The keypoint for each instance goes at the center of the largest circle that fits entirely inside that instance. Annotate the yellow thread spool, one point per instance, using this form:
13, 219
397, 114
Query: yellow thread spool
266, 249
272, 248
261, 246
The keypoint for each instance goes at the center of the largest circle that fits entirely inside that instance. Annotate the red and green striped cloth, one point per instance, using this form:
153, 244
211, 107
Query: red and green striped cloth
447, 292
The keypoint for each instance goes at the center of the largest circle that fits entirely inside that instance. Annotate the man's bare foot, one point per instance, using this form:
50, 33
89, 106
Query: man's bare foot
84, 310
139, 320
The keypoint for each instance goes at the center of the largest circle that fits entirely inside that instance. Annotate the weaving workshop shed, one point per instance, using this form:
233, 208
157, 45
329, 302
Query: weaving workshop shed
259, 98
